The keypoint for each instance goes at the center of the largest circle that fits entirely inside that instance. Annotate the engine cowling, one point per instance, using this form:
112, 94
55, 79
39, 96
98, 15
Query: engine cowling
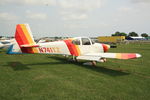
105, 47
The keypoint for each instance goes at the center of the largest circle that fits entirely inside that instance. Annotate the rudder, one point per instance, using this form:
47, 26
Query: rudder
23, 36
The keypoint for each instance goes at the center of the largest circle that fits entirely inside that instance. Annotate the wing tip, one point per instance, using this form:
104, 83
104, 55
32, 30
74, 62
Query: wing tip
128, 55
138, 55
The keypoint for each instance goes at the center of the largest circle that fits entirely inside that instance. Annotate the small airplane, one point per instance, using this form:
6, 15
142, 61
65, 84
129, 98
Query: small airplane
80, 48
6, 43
41, 41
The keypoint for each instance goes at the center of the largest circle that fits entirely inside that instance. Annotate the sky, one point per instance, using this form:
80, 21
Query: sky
73, 18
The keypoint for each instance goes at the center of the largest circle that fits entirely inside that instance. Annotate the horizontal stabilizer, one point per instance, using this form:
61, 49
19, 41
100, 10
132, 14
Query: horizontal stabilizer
29, 46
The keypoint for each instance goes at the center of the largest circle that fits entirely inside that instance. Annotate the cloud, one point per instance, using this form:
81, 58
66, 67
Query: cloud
28, 2
8, 16
36, 16
77, 10
74, 9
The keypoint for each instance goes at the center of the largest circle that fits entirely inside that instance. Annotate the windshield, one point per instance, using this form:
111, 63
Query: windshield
92, 41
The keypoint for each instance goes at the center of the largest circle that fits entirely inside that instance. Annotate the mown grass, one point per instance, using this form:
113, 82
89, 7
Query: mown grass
49, 77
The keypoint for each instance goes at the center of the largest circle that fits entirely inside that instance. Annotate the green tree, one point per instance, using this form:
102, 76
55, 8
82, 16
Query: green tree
119, 34
133, 34
144, 35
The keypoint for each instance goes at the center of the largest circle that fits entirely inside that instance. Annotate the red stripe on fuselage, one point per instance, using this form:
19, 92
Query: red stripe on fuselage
72, 48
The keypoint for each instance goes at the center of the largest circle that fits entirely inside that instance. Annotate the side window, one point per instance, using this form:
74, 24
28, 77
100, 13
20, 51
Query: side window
76, 42
85, 41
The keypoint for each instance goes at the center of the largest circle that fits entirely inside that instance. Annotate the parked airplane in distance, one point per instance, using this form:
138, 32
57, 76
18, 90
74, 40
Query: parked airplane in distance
80, 48
6, 43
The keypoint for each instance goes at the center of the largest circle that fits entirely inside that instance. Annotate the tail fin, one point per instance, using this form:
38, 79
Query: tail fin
23, 36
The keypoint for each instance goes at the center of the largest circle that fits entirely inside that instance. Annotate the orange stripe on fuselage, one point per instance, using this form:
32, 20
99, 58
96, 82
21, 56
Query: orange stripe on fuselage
74, 49
78, 50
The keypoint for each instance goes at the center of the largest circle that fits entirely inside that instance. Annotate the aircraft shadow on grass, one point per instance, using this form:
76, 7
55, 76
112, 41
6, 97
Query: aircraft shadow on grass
18, 66
100, 69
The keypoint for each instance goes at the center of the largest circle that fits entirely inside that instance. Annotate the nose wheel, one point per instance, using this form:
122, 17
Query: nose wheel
102, 60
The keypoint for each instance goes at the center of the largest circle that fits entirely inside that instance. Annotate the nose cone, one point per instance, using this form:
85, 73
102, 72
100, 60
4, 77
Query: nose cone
105, 47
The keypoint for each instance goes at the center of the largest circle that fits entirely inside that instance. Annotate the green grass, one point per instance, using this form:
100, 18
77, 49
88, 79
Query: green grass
49, 77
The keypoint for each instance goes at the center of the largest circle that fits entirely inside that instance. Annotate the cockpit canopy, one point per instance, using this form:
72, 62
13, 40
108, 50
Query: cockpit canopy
83, 41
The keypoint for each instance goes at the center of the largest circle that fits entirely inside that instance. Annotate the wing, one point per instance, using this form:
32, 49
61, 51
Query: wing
98, 56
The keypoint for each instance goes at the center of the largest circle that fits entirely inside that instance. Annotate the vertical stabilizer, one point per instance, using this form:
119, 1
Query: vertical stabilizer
23, 36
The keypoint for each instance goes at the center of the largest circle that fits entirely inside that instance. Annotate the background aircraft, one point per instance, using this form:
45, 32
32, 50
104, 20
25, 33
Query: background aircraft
81, 48
6, 43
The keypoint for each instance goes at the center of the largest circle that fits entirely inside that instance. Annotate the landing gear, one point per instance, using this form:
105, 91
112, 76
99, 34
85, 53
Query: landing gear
102, 60
94, 63
73, 59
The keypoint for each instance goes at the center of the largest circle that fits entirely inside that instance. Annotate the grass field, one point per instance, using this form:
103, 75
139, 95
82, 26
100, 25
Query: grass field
49, 77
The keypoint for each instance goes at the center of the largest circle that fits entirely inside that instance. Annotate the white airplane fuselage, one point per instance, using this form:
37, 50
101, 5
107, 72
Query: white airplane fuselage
60, 47
74, 46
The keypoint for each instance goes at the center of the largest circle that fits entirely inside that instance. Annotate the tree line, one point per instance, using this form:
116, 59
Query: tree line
134, 34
